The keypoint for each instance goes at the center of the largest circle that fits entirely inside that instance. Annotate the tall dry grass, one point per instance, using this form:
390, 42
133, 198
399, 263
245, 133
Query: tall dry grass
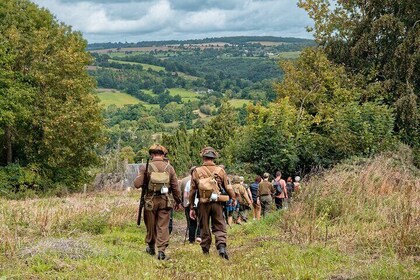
363, 205
23, 221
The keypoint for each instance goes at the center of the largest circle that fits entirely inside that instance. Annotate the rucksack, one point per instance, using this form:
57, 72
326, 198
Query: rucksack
207, 183
237, 193
290, 187
278, 187
158, 179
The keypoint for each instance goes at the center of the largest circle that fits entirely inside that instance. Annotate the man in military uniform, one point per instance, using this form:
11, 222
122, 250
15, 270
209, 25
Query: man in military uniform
242, 198
265, 193
211, 183
162, 190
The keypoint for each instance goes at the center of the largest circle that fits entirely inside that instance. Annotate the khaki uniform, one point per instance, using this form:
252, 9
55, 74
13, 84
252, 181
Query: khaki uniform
157, 207
265, 191
211, 210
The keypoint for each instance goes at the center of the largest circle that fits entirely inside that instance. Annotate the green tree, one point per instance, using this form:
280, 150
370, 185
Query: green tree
222, 127
45, 65
378, 40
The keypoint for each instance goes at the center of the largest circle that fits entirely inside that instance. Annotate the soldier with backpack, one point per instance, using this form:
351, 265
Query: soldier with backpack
160, 192
242, 198
210, 182
280, 190
265, 193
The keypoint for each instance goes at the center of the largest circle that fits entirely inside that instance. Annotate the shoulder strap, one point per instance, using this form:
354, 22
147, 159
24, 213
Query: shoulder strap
153, 167
207, 170
167, 165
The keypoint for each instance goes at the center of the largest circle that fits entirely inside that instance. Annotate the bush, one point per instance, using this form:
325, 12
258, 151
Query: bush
373, 201
19, 182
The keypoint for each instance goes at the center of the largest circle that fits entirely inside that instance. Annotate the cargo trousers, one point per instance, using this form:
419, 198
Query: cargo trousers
211, 211
157, 223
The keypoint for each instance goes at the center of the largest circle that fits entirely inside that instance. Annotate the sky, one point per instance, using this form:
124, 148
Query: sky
150, 20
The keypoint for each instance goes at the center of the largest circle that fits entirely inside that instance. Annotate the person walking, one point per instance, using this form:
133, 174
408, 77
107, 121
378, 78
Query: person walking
280, 190
192, 226
242, 198
210, 182
290, 187
248, 192
161, 191
256, 205
265, 193
297, 183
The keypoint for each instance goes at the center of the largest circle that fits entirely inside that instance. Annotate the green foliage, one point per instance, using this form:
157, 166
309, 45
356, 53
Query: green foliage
270, 140
17, 181
56, 121
184, 149
379, 41
221, 128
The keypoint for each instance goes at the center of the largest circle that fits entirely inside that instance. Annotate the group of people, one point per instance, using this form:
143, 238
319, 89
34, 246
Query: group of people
211, 200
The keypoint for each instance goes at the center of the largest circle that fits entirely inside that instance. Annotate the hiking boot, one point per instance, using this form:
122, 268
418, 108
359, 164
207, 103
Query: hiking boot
162, 256
223, 253
150, 250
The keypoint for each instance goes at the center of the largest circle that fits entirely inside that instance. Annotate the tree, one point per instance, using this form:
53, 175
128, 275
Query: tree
44, 78
221, 128
378, 40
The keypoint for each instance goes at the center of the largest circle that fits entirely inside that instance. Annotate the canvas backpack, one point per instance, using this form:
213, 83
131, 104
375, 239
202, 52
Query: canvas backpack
158, 179
207, 183
237, 192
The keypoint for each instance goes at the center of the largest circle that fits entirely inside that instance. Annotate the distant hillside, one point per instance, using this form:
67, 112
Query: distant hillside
238, 40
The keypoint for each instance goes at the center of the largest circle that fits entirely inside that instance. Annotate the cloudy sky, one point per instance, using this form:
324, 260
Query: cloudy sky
145, 20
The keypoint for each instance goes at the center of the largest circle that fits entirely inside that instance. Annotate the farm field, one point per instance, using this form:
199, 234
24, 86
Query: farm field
239, 103
288, 55
186, 95
109, 97
145, 66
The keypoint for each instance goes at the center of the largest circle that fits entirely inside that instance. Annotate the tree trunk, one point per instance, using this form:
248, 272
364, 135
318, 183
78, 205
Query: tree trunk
8, 144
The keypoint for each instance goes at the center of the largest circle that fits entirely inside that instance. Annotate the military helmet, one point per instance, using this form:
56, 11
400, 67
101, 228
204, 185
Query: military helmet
235, 179
158, 149
209, 152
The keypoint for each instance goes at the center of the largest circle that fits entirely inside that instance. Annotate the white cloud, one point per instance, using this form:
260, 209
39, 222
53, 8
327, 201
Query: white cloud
128, 20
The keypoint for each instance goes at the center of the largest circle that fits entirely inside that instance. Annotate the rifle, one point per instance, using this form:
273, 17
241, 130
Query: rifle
143, 192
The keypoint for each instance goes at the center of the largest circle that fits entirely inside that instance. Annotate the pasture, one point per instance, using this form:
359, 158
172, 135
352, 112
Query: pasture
111, 96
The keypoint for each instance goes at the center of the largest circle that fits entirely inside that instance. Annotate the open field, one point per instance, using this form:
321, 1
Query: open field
160, 48
145, 66
365, 227
239, 103
185, 94
109, 96
288, 55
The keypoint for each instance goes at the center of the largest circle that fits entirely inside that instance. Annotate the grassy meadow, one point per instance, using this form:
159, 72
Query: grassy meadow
145, 66
186, 95
109, 97
359, 220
